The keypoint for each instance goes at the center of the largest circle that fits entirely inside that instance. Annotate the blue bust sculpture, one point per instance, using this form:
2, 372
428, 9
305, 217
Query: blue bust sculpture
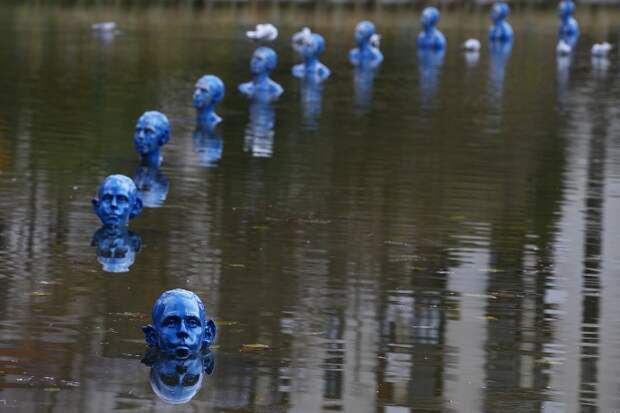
116, 248
152, 132
569, 28
175, 380
152, 186
500, 31
367, 53
264, 60
117, 201
209, 92
208, 145
312, 45
430, 38
180, 325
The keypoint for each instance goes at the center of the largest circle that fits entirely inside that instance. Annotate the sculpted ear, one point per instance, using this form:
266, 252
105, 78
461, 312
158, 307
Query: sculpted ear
208, 363
150, 335
210, 331
136, 209
164, 138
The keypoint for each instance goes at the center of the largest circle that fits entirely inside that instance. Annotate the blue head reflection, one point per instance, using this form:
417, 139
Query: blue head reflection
311, 45
259, 133
117, 201
208, 145
152, 186
116, 248
311, 101
209, 91
180, 325
367, 53
569, 28
174, 380
500, 31
152, 132
429, 64
264, 60
499, 53
430, 38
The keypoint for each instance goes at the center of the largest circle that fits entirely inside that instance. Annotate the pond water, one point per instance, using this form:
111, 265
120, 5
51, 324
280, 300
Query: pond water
444, 236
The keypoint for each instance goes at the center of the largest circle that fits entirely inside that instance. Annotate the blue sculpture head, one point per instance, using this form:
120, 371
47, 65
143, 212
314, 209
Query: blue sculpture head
264, 60
116, 248
209, 92
363, 32
313, 46
174, 380
117, 201
566, 9
429, 18
180, 325
500, 12
152, 132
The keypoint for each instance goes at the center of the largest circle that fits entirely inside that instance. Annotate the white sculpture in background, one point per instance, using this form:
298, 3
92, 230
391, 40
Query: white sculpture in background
267, 32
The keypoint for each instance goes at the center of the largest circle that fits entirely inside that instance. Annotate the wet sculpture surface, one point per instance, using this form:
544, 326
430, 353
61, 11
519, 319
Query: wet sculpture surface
569, 28
311, 47
264, 60
152, 186
180, 326
367, 53
116, 248
177, 380
152, 132
500, 31
117, 201
209, 91
430, 38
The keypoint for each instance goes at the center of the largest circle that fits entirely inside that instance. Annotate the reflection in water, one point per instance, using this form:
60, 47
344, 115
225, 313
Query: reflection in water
259, 132
363, 79
152, 185
471, 58
499, 54
116, 248
208, 144
429, 66
600, 65
311, 101
177, 380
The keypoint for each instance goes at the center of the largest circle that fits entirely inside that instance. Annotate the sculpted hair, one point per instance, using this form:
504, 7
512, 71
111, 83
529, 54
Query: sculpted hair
160, 304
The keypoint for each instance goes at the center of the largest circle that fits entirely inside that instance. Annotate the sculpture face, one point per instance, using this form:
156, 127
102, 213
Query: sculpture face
363, 32
209, 91
313, 46
566, 9
152, 132
499, 12
180, 326
430, 18
117, 201
263, 61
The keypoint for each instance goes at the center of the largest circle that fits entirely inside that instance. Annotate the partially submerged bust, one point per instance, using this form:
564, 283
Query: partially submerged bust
208, 93
367, 53
152, 132
175, 380
311, 45
264, 60
569, 28
180, 326
500, 31
117, 201
430, 38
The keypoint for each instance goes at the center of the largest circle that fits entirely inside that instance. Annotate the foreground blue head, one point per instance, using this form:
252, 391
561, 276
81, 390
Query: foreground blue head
117, 201
500, 12
152, 132
180, 325
429, 18
209, 91
264, 60
364, 31
176, 381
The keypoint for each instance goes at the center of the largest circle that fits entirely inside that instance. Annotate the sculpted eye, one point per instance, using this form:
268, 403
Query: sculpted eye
122, 198
107, 197
170, 321
192, 322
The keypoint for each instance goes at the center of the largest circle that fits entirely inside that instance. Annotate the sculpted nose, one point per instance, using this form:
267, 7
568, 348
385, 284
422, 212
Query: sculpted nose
182, 333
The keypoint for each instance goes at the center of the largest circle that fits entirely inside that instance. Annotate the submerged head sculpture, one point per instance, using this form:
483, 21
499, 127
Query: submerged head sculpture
116, 248
430, 37
363, 32
117, 201
499, 12
180, 325
152, 132
174, 380
566, 8
500, 31
569, 28
367, 53
209, 91
311, 46
263, 61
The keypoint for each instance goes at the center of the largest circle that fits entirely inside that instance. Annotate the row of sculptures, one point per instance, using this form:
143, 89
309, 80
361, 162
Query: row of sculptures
181, 332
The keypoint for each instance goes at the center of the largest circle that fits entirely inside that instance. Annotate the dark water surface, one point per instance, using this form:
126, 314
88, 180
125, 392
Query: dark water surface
445, 239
